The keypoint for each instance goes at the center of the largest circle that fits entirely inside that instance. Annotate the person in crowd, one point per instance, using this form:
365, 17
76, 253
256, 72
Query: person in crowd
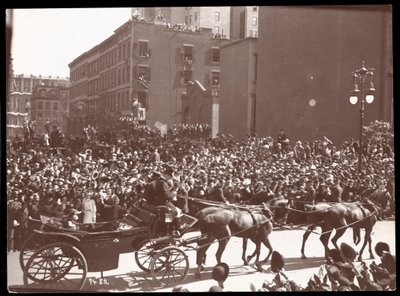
89, 210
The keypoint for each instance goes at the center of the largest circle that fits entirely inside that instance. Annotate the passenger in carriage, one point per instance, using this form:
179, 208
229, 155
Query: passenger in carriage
163, 196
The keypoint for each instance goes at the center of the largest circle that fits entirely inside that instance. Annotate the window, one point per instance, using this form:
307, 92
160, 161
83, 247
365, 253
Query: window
40, 105
123, 75
215, 54
40, 116
55, 105
187, 75
142, 98
195, 16
253, 33
254, 8
214, 78
144, 48
188, 52
143, 73
190, 19
254, 21
217, 15
216, 29
47, 105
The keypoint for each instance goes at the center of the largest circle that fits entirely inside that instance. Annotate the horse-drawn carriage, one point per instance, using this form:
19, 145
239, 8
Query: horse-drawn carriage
58, 257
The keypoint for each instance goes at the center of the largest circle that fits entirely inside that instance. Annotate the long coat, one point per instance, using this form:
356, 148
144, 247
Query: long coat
89, 210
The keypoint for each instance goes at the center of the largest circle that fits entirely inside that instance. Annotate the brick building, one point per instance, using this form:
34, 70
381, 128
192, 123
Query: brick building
144, 62
217, 18
50, 103
306, 56
244, 22
238, 87
19, 98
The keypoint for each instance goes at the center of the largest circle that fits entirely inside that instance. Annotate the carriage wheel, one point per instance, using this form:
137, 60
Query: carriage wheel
32, 243
57, 266
170, 266
146, 251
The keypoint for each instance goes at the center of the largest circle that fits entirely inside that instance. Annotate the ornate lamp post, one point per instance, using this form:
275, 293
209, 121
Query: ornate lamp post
365, 95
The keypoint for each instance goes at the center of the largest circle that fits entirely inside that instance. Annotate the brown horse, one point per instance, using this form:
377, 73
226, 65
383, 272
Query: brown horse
342, 216
221, 224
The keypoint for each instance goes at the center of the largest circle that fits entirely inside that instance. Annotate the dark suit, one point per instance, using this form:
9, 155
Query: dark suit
217, 194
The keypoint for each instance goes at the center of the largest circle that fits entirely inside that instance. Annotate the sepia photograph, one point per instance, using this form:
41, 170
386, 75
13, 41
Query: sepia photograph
200, 149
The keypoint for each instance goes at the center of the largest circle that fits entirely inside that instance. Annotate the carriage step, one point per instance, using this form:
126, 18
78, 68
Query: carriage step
194, 239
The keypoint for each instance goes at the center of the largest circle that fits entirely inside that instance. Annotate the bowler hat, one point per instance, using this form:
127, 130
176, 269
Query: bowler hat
347, 252
220, 272
336, 255
380, 247
388, 262
334, 274
169, 171
277, 261
215, 289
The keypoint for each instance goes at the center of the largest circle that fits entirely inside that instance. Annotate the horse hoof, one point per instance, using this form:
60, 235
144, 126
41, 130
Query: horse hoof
202, 268
248, 258
372, 257
245, 263
303, 257
197, 275
259, 267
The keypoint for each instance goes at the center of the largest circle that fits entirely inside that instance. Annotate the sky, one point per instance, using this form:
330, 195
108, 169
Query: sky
45, 41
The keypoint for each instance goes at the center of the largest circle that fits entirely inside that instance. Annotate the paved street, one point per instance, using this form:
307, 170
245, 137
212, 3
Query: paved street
128, 277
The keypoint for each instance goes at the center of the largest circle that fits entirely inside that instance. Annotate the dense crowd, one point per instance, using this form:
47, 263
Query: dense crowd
111, 167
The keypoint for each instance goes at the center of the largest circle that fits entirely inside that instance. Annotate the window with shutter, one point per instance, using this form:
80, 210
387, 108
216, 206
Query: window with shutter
144, 48
215, 78
187, 51
215, 54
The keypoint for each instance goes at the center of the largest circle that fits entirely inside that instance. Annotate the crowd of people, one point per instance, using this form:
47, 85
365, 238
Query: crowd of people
341, 273
112, 167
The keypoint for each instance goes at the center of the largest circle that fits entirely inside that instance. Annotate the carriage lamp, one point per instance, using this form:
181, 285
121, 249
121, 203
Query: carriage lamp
365, 95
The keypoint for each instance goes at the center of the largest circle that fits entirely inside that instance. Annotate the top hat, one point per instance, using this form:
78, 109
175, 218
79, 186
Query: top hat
220, 272
277, 261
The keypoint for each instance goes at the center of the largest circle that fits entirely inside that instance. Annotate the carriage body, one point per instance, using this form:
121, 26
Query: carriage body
60, 251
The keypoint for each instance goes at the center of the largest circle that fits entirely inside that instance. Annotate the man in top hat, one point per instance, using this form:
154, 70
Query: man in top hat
163, 196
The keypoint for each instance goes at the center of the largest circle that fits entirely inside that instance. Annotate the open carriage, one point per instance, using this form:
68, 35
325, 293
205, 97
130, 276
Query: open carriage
57, 257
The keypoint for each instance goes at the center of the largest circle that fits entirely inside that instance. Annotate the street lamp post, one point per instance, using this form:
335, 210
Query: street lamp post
365, 95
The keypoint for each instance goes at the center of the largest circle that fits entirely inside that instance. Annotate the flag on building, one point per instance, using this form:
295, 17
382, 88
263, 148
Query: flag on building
163, 128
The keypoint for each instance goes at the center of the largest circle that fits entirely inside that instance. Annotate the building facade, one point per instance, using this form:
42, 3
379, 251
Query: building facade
19, 99
141, 62
217, 18
306, 56
50, 104
238, 87
244, 22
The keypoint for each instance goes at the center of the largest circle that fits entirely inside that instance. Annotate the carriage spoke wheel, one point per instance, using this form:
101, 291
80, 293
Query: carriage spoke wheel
29, 247
170, 266
146, 251
58, 266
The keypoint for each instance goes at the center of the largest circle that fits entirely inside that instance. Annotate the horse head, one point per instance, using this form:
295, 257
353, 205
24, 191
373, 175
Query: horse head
371, 206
